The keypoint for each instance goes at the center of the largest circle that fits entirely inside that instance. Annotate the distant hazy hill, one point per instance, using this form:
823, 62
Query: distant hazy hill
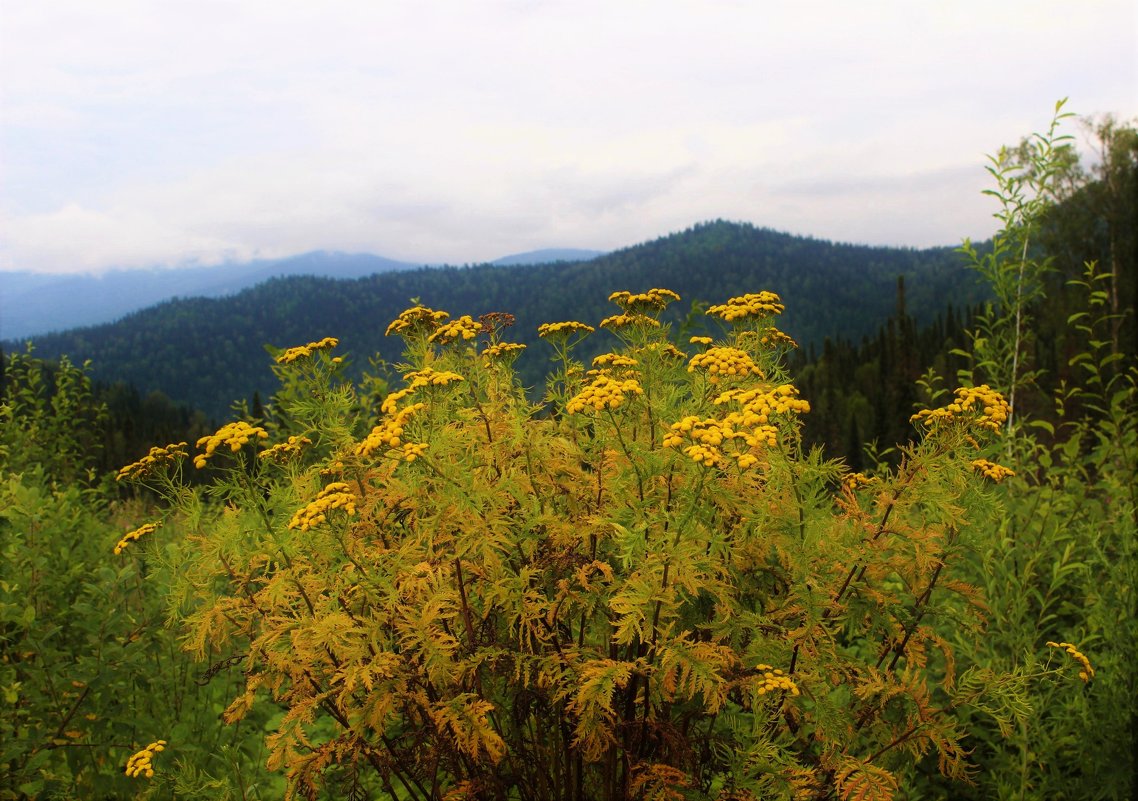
36, 303
548, 256
209, 352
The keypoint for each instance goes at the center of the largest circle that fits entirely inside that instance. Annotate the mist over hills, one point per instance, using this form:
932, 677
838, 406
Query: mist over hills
209, 352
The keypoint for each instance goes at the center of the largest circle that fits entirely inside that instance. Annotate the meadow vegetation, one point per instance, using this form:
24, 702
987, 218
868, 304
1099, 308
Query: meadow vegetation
643, 586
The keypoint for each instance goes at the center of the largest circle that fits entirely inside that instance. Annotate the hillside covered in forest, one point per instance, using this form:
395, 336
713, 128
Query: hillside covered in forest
210, 352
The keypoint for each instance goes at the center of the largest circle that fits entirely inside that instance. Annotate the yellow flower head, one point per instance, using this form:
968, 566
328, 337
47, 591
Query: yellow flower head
132, 536
749, 429
417, 319
652, 300
855, 481
629, 319
1087, 673
707, 455
413, 450
603, 393
235, 435
416, 380
773, 680
980, 407
283, 451
760, 304
391, 402
430, 378
757, 405
724, 362
714, 440
305, 351
614, 360
140, 763
701, 340
464, 328
566, 329
773, 338
502, 350
336, 495
996, 472
389, 433
152, 462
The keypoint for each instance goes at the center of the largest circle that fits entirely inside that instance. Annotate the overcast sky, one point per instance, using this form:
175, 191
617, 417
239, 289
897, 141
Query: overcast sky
146, 132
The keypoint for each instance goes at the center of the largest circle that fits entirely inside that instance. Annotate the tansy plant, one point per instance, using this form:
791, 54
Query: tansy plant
642, 588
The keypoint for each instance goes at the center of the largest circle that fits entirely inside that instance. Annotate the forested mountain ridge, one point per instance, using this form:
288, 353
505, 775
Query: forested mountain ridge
210, 352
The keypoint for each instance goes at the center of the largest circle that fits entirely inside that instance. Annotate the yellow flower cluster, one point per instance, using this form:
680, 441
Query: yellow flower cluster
138, 533
235, 435
773, 338
336, 495
855, 481
724, 362
996, 472
629, 319
416, 380
140, 763
283, 451
606, 360
417, 318
389, 431
603, 393
709, 435
655, 299
701, 340
706, 431
751, 424
757, 405
546, 330
502, 349
305, 351
1088, 672
413, 450
774, 679
981, 406
760, 304
464, 328
428, 377
150, 463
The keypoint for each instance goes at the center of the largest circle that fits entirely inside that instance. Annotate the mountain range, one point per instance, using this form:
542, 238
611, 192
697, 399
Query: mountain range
38, 303
209, 352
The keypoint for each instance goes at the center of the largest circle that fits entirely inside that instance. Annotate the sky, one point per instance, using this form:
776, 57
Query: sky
137, 133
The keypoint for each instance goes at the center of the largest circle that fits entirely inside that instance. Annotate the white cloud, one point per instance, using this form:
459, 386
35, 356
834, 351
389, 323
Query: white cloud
137, 132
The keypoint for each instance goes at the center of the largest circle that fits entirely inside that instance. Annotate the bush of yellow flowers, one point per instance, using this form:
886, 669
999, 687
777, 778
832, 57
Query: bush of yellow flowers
641, 587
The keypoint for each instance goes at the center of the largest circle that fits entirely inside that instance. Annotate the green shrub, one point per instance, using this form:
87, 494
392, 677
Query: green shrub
88, 671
